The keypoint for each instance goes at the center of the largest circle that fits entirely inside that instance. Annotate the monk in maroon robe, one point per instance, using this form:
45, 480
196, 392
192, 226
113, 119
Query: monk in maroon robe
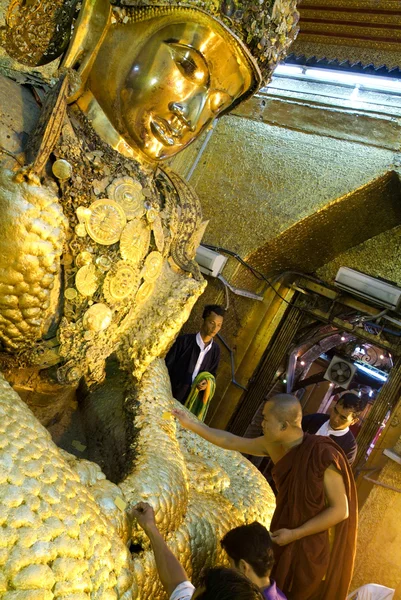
318, 566
315, 521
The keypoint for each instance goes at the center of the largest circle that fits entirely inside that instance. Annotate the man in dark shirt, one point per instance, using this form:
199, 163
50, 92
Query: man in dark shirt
193, 353
337, 425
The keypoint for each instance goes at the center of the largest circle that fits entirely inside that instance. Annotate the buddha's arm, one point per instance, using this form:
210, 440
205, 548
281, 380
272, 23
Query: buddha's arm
336, 511
221, 438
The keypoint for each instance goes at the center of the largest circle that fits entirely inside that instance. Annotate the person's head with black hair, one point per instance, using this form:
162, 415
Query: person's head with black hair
216, 308
346, 411
250, 550
213, 316
226, 584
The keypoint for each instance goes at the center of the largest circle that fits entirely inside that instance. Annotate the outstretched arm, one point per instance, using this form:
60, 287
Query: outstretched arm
336, 511
170, 570
221, 438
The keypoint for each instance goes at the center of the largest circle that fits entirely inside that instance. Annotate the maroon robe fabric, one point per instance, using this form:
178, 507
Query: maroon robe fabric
302, 565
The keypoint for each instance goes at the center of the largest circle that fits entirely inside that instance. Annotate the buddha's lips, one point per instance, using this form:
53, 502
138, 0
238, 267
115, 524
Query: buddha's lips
162, 131
167, 133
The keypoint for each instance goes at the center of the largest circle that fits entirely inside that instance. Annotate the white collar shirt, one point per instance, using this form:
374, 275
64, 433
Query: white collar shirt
203, 351
327, 430
183, 591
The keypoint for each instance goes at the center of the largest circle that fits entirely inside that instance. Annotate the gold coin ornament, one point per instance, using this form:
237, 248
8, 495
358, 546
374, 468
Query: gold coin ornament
97, 318
83, 213
80, 230
152, 267
67, 259
87, 280
62, 169
70, 293
147, 192
121, 283
128, 194
106, 222
144, 292
151, 213
158, 234
104, 263
83, 258
134, 241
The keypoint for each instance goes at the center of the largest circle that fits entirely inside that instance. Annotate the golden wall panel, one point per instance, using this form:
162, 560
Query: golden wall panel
378, 557
255, 181
344, 223
379, 256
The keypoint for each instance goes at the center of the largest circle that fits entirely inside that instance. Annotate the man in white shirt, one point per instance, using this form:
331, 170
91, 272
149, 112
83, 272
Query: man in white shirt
337, 425
216, 584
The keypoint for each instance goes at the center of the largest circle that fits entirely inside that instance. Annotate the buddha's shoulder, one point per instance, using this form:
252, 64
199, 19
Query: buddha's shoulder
19, 113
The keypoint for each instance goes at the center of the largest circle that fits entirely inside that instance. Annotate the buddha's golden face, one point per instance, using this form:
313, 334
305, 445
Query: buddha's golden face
184, 75
175, 77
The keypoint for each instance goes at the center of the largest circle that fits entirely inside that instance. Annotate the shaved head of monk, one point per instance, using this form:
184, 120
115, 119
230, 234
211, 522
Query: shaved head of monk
282, 416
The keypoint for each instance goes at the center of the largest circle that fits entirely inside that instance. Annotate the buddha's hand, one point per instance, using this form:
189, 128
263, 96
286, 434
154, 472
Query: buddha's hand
183, 418
144, 514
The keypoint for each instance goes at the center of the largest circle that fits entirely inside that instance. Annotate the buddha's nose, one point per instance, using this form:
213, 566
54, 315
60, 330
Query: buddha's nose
189, 110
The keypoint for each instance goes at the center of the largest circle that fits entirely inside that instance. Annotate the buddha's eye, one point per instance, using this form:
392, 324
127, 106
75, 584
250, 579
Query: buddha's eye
190, 63
219, 100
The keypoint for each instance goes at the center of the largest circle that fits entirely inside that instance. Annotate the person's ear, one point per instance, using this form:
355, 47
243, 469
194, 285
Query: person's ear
354, 420
243, 566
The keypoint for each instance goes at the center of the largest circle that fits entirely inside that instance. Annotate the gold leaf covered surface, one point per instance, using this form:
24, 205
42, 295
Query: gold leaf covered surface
199, 491
62, 534
32, 232
55, 539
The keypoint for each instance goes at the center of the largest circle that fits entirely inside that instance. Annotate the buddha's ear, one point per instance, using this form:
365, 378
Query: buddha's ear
90, 29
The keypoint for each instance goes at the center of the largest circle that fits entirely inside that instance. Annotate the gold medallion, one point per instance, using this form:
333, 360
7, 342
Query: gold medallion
97, 318
83, 213
103, 263
87, 280
62, 169
67, 260
120, 283
152, 267
128, 194
80, 230
158, 234
70, 293
144, 292
151, 213
134, 241
106, 221
83, 258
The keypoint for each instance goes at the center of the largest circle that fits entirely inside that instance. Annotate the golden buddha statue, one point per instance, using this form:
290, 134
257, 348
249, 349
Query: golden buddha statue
97, 276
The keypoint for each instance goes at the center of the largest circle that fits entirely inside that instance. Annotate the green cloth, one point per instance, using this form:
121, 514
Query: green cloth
198, 402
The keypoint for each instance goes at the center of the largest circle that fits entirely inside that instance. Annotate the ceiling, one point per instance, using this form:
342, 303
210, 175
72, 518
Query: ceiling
367, 32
